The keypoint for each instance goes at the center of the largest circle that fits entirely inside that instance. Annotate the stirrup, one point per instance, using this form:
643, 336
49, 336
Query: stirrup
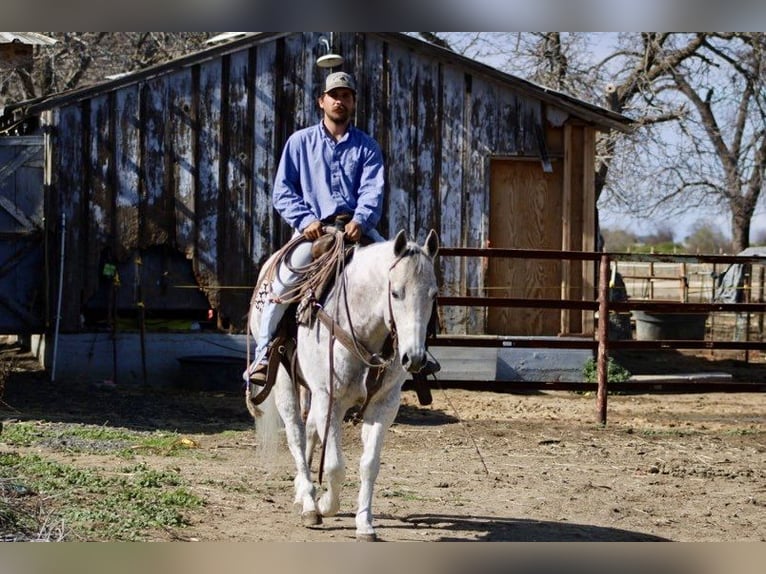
260, 374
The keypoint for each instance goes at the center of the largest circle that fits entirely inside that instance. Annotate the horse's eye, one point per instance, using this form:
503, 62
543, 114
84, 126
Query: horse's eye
396, 294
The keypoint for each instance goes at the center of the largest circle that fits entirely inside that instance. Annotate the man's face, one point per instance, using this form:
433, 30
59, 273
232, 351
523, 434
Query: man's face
338, 104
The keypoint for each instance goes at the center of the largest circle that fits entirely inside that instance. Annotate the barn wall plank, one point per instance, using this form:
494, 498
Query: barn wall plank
265, 153
100, 203
508, 123
567, 237
588, 209
372, 104
68, 142
529, 126
235, 218
482, 117
181, 140
301, 76
427, 147
209, 154
127, 153
401, 167
156, 209
451, 195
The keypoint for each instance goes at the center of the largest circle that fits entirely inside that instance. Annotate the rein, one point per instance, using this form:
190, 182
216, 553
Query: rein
351, 342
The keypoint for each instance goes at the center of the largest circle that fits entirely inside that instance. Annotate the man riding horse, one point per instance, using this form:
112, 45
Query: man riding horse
328, 173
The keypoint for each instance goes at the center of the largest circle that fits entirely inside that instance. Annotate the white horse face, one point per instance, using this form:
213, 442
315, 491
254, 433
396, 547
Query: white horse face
412, 290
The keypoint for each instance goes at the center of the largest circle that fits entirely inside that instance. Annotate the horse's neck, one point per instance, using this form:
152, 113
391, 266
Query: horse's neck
364, 292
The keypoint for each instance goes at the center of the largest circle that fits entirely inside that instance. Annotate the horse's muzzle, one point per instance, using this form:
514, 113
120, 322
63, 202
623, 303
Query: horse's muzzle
413, 362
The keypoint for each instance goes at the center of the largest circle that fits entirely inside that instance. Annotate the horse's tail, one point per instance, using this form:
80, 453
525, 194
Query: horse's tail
267, 431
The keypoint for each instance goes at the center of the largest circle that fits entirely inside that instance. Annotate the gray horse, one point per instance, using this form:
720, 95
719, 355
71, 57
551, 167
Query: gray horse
384, 299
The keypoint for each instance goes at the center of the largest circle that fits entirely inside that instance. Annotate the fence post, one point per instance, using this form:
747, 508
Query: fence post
602, 355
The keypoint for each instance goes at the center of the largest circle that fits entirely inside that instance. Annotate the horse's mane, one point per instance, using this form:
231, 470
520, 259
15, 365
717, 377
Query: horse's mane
386, 254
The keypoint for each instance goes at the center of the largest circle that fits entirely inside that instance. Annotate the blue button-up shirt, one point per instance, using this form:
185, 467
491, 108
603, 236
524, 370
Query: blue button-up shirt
318, 178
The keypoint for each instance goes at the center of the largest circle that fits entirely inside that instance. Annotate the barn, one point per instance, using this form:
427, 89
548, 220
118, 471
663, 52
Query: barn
153, 211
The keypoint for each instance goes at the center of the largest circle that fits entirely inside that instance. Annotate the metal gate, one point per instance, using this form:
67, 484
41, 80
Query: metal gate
22, 295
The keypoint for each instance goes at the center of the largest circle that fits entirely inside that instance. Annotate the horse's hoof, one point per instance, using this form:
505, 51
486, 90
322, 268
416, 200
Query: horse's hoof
311, 518
366, 537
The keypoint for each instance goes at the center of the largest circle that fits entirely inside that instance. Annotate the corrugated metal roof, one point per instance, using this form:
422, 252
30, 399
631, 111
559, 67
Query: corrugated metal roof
32, 38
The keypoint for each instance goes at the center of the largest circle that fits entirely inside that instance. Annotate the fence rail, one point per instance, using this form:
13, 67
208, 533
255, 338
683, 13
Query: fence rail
600, 301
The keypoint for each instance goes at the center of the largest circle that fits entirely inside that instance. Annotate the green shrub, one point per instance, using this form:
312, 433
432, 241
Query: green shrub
615, 373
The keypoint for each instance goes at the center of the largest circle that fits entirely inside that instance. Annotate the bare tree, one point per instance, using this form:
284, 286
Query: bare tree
81, 58
726, 86
699, 102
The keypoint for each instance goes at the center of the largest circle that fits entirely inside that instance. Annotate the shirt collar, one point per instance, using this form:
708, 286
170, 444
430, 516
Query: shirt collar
326, 134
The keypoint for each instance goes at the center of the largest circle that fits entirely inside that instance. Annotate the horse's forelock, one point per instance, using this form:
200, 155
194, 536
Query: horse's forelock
416, 254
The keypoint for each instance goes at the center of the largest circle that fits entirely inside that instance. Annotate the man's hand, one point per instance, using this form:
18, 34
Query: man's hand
313, 230
352, 231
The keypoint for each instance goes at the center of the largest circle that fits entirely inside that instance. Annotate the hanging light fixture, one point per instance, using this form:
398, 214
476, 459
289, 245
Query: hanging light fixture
330, 59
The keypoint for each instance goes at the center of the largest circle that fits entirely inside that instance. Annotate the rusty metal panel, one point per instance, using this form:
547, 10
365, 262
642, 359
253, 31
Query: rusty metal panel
181, 139
128, 162
209, 166
451, 196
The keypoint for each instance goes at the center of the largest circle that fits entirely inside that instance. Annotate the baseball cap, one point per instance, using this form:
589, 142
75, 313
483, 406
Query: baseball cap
339, 80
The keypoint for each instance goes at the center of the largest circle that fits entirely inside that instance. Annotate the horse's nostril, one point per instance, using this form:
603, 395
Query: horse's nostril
413, 363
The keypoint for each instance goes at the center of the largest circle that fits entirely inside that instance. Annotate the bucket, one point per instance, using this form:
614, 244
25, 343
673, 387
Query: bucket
670, 326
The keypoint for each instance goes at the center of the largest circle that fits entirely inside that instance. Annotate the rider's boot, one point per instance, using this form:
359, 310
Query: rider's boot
260, 373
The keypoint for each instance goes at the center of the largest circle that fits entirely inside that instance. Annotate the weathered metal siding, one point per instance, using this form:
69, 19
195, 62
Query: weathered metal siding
187, 159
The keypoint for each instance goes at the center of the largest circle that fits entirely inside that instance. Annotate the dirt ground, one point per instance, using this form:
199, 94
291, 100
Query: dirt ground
472, 466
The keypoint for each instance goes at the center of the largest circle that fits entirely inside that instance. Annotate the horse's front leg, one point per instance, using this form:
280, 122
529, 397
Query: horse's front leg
289, 409
378, 416
333, 467
312, 438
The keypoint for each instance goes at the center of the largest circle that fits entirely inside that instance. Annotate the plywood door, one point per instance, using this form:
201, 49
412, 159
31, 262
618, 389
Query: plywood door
525, 213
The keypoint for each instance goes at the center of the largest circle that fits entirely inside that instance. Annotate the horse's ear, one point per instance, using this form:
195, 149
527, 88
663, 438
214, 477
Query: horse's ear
400, 243
432, 244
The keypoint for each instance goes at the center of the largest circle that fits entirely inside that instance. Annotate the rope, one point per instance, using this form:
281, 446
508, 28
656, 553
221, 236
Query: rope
466, 428
313, 275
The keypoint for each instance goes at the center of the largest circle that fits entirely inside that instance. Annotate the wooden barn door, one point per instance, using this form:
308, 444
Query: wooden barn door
525, 213
21, 235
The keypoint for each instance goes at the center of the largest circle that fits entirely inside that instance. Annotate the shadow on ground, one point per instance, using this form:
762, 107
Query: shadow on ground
28, 395
493, 529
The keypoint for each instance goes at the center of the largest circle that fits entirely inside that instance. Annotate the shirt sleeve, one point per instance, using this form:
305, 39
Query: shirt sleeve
288, 195
369, 206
